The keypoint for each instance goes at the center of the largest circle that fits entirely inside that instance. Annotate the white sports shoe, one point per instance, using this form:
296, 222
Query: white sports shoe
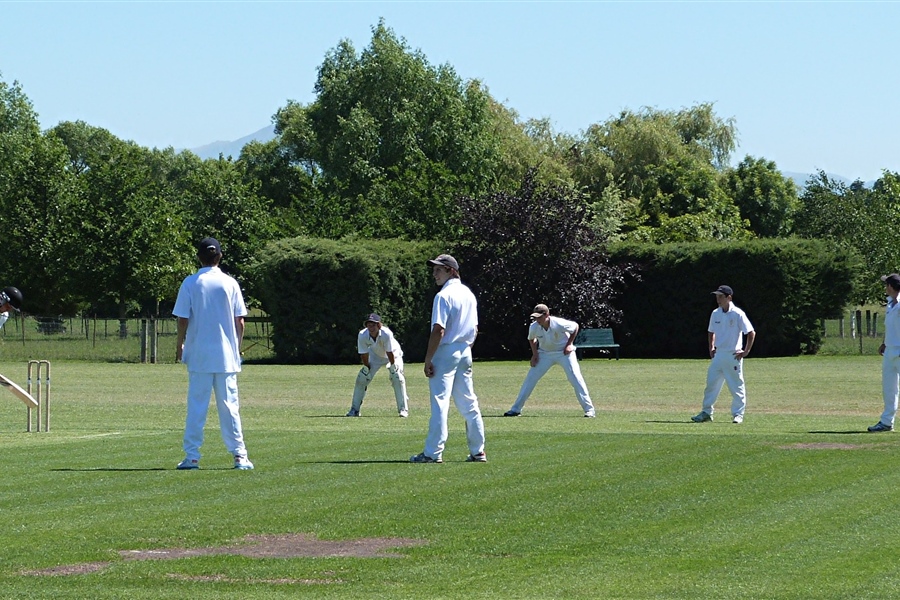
242, 463
404, 413
590, 414
738, 419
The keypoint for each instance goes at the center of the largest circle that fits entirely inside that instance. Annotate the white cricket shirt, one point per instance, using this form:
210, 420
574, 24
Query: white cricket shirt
456, 310
380, 346
556, 337
728, 327
210, 300
892, 324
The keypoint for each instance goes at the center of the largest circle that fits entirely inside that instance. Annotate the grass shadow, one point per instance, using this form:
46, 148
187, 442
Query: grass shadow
357, 462
103, 469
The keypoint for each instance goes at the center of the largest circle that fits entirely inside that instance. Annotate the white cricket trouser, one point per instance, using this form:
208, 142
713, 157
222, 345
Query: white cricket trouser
375, 363
569, 363
453, 377
725, 368
890, 383
224, 387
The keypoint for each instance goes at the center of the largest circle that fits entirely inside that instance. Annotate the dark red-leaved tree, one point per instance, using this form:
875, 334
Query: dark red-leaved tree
529, 247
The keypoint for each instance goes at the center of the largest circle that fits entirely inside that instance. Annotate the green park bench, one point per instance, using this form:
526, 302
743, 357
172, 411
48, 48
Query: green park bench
596, 338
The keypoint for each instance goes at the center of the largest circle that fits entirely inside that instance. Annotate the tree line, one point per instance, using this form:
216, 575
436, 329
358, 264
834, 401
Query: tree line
394, 147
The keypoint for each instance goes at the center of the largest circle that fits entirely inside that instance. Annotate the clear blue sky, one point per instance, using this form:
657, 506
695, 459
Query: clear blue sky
811, 85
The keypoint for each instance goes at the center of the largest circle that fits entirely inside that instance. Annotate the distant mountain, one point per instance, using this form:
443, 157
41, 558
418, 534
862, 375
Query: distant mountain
233, 149
266, 134
800, 179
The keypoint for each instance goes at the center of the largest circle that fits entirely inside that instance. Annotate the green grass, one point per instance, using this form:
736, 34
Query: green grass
639, 503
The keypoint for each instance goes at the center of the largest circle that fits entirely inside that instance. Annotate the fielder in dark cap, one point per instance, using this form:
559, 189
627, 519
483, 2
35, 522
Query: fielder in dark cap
210, 309
890, 352
727, 350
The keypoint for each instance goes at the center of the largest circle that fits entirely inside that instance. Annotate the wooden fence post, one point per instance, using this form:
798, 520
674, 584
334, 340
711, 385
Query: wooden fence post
859, 329
143, 340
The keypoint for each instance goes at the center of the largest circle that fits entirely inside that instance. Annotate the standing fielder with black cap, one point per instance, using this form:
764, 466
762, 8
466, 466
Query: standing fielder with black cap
210, 309
726, 324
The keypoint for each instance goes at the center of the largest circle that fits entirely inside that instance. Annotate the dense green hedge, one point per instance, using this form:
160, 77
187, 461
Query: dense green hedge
318, 293
785, 286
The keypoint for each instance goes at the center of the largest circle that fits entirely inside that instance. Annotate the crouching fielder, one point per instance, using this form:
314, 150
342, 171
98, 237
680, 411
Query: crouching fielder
552, 341
378, 347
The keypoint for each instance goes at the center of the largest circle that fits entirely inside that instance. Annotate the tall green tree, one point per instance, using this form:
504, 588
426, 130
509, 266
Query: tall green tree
656, 174
684, 202
286, 185
390, 140
856, 218
637, 142
131, 241
531, 145
35, 189
765, 197
216, 201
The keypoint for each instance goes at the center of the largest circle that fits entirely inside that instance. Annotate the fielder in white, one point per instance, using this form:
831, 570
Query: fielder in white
552, 341
448, 363
727, 325
890, 352
210, 310
378, 347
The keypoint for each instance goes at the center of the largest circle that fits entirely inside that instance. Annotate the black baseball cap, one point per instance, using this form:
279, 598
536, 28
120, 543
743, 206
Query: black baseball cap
372, 318
724, 290
209, 246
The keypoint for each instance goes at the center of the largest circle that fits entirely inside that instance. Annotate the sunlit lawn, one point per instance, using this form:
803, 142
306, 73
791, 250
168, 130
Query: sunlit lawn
798, 502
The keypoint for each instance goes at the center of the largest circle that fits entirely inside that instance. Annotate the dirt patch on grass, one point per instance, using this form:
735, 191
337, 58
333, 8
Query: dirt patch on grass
825, 446
259, 546
81, 569
225, 579
285, 546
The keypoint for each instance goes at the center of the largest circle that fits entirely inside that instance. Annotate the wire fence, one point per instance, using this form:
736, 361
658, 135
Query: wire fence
112, 340
28, 337
858, 331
